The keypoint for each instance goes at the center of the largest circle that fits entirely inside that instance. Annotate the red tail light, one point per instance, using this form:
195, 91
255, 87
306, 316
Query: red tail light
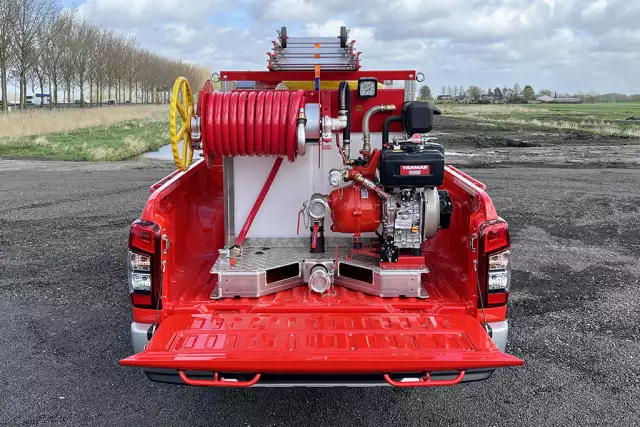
144, 264
494, 270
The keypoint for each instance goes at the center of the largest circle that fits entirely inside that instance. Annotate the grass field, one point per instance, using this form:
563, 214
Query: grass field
604, 118
99, 134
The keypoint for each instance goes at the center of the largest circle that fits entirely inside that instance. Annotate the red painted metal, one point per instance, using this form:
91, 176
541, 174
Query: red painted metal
275, 77
425, 382
360, 106
477, 183
450, 251
258, 202
405, 261
160, 183
218, 381
352, 213
368, 171
321, 343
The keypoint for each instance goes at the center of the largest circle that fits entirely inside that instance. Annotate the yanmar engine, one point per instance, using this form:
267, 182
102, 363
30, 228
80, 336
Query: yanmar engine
410, 171
401, 202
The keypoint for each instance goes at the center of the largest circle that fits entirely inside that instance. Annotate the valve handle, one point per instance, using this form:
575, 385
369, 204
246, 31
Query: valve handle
314, 236
299, 214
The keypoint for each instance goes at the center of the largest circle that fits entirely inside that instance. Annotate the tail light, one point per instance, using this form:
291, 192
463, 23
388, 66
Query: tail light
494, 267
144, 264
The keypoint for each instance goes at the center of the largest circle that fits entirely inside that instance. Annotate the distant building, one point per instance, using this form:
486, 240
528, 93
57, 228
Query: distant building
486, 99
556, 100
445, 97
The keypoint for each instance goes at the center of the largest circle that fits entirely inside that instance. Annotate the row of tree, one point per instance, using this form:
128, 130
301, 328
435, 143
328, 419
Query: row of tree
518, 94
57, 51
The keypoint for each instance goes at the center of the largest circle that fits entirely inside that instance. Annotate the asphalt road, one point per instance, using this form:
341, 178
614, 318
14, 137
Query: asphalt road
64, 312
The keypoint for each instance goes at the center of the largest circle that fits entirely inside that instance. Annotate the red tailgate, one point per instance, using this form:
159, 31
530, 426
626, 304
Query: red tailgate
321, 343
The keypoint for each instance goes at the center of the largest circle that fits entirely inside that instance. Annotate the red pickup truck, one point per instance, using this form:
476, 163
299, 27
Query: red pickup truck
401, 276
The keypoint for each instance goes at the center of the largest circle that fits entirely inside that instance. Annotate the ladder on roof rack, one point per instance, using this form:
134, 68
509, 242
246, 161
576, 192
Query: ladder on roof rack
305, 53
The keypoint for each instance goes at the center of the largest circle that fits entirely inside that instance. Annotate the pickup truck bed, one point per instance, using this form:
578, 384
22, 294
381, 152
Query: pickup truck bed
294, 336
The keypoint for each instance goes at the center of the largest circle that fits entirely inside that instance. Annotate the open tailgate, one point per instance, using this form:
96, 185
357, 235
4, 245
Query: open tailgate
321, 343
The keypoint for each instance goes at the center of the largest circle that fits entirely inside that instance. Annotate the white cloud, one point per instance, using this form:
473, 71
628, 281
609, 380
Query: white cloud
565, 45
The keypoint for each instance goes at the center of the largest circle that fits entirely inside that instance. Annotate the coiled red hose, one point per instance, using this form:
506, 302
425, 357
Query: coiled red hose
250, 123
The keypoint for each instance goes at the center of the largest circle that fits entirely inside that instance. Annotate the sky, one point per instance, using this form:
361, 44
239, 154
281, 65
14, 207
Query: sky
562, 45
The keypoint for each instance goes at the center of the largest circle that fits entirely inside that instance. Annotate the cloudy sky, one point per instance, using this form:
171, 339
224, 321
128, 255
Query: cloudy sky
563, 45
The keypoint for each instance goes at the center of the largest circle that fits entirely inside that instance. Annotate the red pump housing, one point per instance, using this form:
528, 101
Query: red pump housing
355, 209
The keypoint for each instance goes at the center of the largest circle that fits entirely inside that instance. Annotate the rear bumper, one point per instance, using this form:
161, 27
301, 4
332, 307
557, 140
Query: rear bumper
172, 377
141, 334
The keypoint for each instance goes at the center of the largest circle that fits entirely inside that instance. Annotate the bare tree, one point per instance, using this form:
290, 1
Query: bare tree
44, 47
53, 51
30, 17
84, 38
67, 63
7, 20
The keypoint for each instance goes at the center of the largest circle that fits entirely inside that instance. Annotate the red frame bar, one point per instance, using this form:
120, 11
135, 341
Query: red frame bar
425, 382
218, 381
259, 200
279, 76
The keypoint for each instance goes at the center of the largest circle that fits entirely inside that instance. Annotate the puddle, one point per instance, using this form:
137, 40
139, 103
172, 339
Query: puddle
165, 153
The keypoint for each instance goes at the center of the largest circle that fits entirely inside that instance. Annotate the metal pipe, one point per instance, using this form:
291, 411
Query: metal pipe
229, 201
366, 134
258, 202
410, 90
385, 128
227, 183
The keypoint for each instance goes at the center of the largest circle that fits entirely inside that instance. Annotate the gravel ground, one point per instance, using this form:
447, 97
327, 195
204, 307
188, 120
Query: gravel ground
479, 144
65, 311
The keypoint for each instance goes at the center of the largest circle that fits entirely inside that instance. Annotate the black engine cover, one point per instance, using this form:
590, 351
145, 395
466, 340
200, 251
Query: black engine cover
412, 166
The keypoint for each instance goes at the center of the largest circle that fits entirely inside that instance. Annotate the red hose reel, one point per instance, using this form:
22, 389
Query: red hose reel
249, 123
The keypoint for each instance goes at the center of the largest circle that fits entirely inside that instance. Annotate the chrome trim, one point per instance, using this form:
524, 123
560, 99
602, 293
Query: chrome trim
229, 201
499, 333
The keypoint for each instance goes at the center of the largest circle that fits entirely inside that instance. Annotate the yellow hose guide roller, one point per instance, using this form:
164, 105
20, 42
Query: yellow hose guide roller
182, 103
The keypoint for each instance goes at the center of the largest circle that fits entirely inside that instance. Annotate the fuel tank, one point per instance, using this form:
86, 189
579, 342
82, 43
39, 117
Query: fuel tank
355, 209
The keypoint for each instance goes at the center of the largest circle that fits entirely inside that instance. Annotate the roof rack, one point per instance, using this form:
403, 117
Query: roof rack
306, 53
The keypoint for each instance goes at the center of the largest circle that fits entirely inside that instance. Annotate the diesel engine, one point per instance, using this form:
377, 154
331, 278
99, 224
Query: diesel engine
393, 192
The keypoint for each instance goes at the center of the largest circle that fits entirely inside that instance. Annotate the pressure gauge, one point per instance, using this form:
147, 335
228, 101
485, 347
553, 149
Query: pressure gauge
368, 87
335, 178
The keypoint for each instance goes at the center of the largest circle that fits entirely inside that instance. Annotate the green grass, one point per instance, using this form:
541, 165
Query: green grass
603, 118
104, 143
